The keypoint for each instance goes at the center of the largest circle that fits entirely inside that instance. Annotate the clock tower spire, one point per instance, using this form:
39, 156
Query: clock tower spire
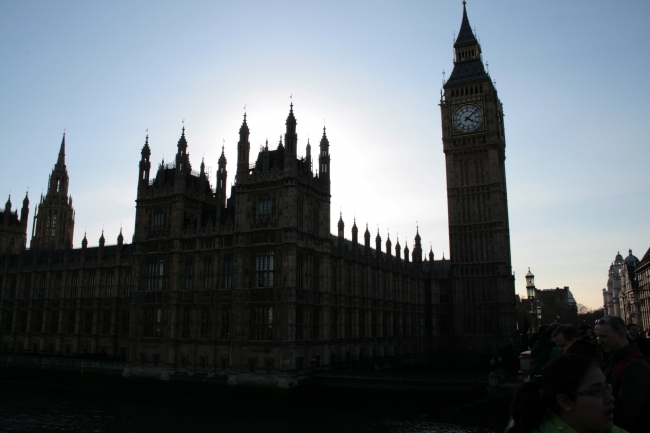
474, 144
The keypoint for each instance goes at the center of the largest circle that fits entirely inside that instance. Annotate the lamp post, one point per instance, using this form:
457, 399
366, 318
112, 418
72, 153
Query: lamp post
530, 291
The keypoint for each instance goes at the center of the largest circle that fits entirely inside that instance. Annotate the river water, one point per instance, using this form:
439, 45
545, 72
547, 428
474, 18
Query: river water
33, 407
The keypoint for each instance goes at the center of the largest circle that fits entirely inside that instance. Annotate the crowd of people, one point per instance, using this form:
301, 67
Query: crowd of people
585, 380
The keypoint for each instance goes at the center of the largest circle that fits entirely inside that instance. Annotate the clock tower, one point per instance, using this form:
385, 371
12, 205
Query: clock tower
474, 143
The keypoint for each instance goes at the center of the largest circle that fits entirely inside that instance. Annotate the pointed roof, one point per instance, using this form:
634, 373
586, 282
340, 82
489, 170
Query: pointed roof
291, 118
465, 35
324, 141
8, 204
146, 150
182, 142
61, 159
244, 126
222, 158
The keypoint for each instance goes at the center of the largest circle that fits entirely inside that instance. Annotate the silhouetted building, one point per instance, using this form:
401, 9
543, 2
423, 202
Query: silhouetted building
252, 283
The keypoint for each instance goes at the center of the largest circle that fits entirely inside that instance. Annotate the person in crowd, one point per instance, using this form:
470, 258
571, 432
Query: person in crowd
541, 352
584, 348
563, 336
629, 374
572, 396
633, 337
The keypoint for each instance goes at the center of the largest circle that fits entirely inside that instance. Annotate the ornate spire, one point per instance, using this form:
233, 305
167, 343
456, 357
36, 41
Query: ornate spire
465, 35
182, 142
8, 204
61, 159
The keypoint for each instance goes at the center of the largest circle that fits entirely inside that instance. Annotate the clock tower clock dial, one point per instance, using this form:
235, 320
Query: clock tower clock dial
467, 118
473, 139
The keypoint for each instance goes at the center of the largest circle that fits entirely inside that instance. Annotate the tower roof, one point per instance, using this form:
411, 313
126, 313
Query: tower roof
291, 119
61, 159
182, 142
465, 35
244, 126
324, 141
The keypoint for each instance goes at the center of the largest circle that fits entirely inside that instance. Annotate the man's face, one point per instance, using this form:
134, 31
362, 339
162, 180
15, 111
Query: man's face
609, 337
633, 332
562, 342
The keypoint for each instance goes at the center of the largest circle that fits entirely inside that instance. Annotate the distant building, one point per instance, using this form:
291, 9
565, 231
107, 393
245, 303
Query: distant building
612, 292
558, 305
623, 296
642, 273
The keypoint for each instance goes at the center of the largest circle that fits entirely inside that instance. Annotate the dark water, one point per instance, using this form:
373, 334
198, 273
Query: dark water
97, 406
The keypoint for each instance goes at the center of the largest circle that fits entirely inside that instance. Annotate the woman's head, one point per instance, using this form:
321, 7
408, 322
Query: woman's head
571, 386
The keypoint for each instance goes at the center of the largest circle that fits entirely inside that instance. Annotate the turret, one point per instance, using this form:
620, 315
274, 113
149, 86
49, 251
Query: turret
290, 136
406, 253
145, 164
24, 213
378, 243
120, 240
417, 247
324, 157
366, 238
308, 156
8, 205
182, 157
222, 175
398, 250
389, 251
243, 151
84, 242
355, 235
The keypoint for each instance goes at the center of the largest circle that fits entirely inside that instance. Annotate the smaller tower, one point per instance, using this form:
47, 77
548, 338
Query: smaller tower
366, 238
398, 250
389, 244
222, 176
145, 163
417, 247
182, 157
378, 243
324, 157
355, 235
308, 156
243, 151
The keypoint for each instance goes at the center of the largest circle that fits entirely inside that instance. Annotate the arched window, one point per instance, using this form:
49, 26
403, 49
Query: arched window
265, 208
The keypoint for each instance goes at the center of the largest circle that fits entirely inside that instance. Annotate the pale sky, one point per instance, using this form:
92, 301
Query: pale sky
572, 77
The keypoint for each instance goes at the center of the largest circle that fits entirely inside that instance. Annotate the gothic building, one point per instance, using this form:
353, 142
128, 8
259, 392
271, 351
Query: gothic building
251, 283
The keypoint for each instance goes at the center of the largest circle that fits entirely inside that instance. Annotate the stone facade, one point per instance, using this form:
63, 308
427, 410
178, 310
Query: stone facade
252, 283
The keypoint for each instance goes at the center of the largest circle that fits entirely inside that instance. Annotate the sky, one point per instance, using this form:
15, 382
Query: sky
572, 77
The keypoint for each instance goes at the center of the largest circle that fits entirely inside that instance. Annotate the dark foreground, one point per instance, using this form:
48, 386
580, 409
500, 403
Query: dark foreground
61, 401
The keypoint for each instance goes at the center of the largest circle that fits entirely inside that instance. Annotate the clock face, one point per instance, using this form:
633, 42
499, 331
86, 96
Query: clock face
467, 118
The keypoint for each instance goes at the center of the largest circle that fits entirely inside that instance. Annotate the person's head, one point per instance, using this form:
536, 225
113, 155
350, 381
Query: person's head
633, 331
611, 333
563, 336
571, 386
582, 347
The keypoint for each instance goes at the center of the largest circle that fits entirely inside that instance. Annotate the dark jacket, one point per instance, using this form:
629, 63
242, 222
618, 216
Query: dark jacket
643, 344
632, 390
540, 356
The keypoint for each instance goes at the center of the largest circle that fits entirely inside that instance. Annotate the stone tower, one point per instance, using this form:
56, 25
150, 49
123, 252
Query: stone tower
13, 229
474, 144
54, 216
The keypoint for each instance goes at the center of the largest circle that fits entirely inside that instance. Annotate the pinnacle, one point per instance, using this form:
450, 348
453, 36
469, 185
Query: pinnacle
61, 159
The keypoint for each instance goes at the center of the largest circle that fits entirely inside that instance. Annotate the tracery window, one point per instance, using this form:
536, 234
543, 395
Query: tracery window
264, 269
265, 208
207, 274
261, 323
155, 275
227, 273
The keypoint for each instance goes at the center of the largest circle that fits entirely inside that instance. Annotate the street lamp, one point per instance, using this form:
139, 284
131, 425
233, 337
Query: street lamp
530, 290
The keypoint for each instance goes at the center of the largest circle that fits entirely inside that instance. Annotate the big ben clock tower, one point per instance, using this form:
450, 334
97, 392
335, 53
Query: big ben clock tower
474, 143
